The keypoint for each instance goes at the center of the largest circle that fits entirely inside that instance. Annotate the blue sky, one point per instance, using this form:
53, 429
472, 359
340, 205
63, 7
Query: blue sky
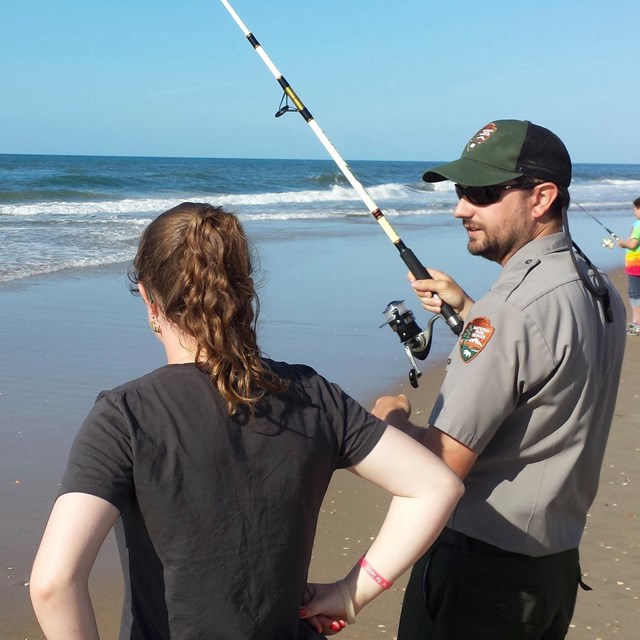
385, 80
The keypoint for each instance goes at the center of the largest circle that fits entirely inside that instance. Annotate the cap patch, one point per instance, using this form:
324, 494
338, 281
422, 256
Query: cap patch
475, 337
482, 136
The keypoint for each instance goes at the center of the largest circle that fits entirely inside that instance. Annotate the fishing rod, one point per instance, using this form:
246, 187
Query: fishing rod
407, 255
606, 242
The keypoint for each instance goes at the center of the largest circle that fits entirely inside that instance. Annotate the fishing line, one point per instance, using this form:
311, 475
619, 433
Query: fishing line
606, 242
407, 255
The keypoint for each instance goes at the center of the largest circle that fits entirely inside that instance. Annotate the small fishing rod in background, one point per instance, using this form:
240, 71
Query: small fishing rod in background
609, 243
418, 346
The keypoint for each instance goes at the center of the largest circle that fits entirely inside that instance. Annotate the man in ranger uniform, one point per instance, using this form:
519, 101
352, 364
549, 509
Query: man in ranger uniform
525, 408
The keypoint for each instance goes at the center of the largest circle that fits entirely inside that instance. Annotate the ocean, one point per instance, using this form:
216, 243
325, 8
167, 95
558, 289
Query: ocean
60, 212
326, 268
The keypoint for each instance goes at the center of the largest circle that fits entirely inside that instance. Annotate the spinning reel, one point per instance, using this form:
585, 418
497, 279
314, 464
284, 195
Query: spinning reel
417, 343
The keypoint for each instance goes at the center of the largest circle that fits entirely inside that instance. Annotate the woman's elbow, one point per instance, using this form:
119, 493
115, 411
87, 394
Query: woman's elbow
447, 485
455, 486
43, 587
48, 586
41, 590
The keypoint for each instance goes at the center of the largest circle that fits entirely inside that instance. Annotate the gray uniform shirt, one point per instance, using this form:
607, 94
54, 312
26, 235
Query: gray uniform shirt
531, 386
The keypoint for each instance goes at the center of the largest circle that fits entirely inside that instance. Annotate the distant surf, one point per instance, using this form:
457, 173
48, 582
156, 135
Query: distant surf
59, 212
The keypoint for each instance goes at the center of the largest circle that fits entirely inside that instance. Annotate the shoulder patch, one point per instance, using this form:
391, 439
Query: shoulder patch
475, 337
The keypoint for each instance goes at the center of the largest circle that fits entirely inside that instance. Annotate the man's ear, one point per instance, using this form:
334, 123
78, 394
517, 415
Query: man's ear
545, 195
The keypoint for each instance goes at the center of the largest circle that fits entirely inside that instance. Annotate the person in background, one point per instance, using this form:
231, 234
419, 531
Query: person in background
632, 269
213, 468
525, 409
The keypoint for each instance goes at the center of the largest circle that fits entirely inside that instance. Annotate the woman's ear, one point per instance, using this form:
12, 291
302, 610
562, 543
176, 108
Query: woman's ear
147, 296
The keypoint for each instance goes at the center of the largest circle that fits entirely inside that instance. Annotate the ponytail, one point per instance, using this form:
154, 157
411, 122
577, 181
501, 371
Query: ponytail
196, 260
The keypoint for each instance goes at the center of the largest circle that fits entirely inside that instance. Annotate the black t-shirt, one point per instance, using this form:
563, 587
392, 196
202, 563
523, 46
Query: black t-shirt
218, 514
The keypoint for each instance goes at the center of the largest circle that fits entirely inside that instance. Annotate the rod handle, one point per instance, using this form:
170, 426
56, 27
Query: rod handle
418, 270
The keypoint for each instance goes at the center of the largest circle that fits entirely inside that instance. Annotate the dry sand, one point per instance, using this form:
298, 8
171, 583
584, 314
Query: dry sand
353, 511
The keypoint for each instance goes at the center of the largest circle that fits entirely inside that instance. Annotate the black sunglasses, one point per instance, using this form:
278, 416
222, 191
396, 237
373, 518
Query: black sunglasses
487, 195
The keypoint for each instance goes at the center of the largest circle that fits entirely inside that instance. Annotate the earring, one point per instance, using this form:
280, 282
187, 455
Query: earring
155, 327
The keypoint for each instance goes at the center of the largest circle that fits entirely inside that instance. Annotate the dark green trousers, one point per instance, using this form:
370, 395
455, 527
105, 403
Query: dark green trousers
464, 589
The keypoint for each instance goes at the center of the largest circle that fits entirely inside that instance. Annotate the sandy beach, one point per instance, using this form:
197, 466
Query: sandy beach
352, 510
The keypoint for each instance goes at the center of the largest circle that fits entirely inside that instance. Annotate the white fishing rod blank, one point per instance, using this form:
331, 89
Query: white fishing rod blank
407, 255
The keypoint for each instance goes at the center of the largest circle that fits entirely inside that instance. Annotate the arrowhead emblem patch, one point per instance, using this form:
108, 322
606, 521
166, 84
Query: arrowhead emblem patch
475, 338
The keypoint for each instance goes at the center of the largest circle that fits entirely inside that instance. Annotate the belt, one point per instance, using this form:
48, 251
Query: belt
467, 543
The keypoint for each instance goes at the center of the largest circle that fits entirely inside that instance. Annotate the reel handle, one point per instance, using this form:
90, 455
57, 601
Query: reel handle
417, 343
418, 270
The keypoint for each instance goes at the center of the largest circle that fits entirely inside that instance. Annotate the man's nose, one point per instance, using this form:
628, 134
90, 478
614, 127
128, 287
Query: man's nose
464, 209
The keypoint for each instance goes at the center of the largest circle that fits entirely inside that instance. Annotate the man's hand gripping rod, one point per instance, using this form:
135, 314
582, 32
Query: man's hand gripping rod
409, 258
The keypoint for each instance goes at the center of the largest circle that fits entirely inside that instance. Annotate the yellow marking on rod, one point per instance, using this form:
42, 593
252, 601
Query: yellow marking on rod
292, 94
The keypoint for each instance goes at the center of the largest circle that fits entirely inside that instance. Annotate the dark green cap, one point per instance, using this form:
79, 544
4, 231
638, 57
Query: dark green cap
504, 150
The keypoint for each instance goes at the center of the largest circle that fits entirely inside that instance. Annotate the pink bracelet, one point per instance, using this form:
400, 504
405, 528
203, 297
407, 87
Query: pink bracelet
385, 584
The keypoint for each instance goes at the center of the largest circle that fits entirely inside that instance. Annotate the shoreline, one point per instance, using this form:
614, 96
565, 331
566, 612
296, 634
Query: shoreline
352, 510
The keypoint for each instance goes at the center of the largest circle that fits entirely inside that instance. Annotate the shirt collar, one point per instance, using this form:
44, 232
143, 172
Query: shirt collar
540, 246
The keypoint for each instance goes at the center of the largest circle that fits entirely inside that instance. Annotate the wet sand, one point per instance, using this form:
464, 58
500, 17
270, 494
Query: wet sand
35, 436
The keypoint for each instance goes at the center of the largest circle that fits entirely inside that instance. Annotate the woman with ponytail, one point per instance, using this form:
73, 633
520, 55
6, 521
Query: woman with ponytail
213, 468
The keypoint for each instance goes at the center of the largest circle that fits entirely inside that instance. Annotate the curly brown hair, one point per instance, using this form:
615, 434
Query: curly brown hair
196, 262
